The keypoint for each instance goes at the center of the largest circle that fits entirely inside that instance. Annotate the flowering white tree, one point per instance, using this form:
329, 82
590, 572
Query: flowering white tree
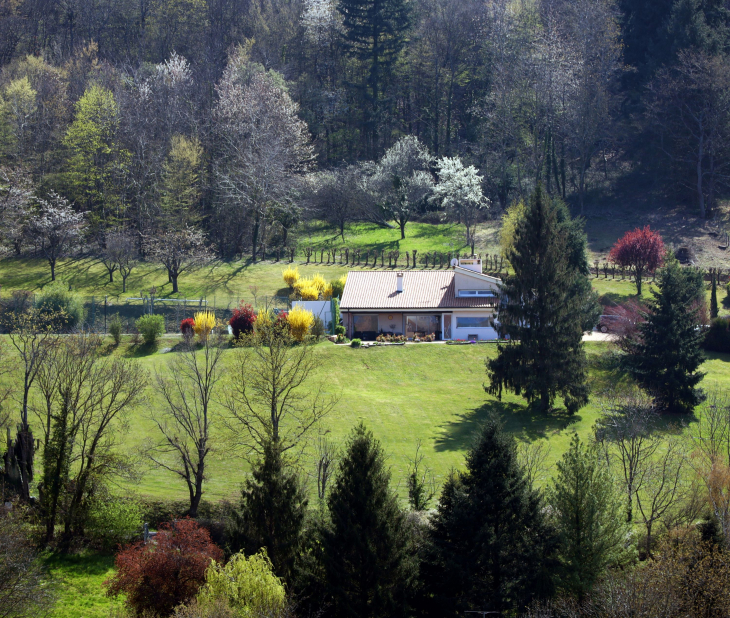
402, 180
459, 191
16, 195
55, 227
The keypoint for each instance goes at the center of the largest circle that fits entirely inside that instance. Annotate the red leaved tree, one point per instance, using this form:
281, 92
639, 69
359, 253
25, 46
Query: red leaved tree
642, 250
167, 571
242, 320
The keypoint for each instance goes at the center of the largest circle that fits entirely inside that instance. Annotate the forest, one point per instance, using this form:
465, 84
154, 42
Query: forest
226, 123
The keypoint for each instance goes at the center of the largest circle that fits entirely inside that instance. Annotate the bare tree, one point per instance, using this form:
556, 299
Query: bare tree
87, 406
55, 226
421, 483
264, 146
31, 334
185, 423
120, 253
178, 251
327, 454
271, 396
16, 196
690, 108
627, 431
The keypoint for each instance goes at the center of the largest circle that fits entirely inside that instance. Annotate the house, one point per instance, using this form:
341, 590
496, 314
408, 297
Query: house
459, 303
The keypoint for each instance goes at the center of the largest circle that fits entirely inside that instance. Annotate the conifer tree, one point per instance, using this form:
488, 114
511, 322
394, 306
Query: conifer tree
374, 34
714, 310
490, 547
272, 512
546, 302
590, 519
366, 550
666, 358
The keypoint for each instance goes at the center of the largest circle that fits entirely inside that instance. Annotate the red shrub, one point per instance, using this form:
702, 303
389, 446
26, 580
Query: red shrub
642, 250
166, 572
629, 317
187, 327
242, 320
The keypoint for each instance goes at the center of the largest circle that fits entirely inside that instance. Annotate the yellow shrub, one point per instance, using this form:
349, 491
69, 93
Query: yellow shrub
319, 282
327, 292
309, 293
204, 323
300, 321
291, 276
263, 319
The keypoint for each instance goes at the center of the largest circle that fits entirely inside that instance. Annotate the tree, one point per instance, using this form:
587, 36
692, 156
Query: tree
490, 546
271, 397
272, 512
339, 196
96, 157
401, 180
160, 576
31, 334
120, 253
459, 191
87, 401
714, 309
666, 359
185, 424
264, 149
544, 313
181, 183
178, 251
16, 197
25, 590
420, 482
366, 553
642, 250
55, 226
374, 34
589, 516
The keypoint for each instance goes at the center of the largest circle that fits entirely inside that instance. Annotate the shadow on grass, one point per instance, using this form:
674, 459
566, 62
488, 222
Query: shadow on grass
522, 421
141, 350
86, 564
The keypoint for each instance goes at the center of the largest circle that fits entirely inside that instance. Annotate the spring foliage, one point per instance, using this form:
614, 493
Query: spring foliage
204, 324
248, 586
291, 276
640, 249
300, 321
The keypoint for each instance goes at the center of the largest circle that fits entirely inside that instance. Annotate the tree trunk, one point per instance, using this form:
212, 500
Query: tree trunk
402, 229
255, 239
124, 284
173, 277
53, 269
700, 190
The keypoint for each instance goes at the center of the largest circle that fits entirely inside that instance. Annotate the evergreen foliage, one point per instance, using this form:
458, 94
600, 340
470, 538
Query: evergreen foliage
366, 549
666, 359
714, 309
272, 512
590, 519
490, 546
547, 303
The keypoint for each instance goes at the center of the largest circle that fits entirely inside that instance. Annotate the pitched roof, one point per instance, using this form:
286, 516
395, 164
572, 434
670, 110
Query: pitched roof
421, 290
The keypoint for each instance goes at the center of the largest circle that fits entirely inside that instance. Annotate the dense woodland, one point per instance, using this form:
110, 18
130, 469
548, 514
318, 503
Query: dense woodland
237, 119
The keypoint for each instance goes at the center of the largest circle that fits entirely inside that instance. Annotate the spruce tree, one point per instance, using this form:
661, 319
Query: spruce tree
546, 302
366, 548
374, 34
490, 546
666, 358
272, 512
590, 519
714, 310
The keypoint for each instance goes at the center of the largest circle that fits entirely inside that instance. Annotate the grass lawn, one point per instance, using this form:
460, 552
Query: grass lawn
79, 579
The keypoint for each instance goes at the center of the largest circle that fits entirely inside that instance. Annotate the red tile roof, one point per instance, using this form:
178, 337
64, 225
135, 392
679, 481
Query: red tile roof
421, 290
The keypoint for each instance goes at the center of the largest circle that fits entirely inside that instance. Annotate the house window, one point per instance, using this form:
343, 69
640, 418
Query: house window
420, 325
473, 322
471, 293
365, 326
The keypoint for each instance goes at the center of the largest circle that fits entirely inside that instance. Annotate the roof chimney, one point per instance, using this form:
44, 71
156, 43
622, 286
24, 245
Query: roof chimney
399, 279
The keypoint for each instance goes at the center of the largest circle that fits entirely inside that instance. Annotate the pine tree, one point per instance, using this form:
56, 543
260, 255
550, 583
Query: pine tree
713, 296
366, 551
374, 34
490, 547
272, 512
546, 304
666, 358
590, 519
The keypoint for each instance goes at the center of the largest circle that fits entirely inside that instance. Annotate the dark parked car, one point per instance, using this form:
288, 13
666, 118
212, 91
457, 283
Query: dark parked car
610, 323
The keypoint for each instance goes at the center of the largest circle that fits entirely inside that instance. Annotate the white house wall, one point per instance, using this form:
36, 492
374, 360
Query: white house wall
484, 334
